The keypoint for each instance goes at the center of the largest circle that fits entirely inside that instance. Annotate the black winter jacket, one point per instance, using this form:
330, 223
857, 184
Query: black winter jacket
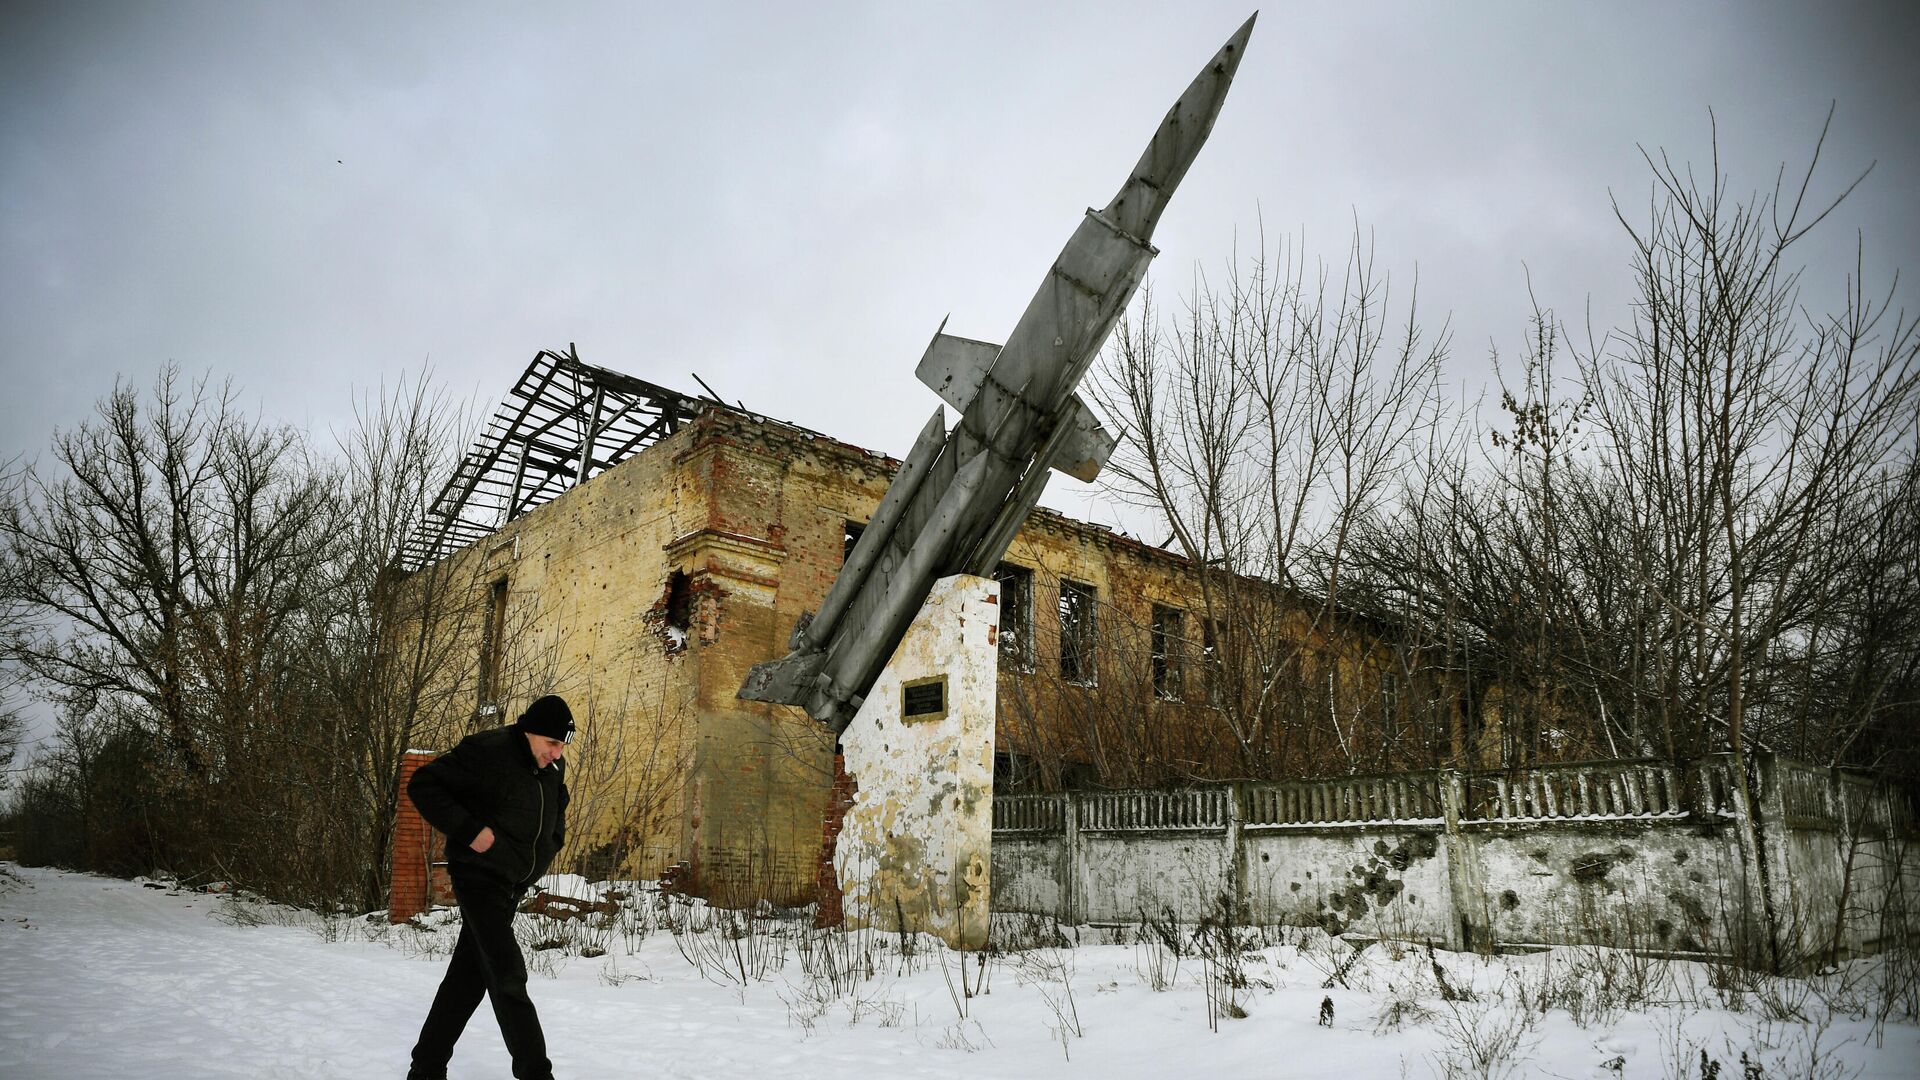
490, 781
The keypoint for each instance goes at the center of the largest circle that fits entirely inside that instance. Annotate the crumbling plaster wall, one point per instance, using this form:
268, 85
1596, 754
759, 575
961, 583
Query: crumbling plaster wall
1391, 881
1629, 854
1659, 885
1837, 875
1639, 854
914, 852
1029, 876
1129, 876
1650, 885
1849, 855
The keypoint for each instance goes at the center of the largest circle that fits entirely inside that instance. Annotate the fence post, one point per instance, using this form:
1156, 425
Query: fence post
1071, 885
1236, 853
1754, 790
1783, 905
1463, 867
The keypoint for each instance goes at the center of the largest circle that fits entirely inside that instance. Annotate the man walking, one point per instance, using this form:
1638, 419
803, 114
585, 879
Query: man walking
500, 797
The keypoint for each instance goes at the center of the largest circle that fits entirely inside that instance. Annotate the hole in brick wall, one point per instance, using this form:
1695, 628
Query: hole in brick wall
679, 602
671, 616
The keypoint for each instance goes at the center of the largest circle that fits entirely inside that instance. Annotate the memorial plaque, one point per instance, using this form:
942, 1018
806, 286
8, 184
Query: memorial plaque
923, 699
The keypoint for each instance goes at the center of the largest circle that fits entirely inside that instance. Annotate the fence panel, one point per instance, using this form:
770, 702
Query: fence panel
1405, 797
1600, 790
1029, 813
1181, 809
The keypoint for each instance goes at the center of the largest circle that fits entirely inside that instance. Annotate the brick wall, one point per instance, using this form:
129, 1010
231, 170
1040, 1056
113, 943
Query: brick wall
827, 880
419, 854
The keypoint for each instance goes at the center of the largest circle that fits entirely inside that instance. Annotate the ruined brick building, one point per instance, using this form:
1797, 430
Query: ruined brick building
639, 550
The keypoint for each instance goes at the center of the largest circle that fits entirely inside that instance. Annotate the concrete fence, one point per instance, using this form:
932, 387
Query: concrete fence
1645, 854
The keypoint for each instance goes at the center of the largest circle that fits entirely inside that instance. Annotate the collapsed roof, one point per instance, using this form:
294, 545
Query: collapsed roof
562, 423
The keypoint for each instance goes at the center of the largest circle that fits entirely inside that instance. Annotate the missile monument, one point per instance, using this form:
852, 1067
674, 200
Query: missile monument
896, 639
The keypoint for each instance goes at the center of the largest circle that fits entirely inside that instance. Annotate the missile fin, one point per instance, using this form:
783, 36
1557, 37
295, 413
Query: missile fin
1087, 446
786, 680
954, 368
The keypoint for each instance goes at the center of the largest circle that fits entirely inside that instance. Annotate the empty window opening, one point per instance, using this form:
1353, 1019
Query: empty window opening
1390, 693
1211, 673
1168, 638
493, 634
1079, 632
1016, 616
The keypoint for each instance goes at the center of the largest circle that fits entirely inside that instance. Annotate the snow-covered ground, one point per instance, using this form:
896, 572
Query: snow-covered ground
107, 978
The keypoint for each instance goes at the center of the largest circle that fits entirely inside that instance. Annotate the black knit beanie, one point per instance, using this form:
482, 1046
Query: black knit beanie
548, 716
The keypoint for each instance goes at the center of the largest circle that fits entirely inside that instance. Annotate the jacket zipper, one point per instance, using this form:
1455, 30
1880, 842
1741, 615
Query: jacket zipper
540, 823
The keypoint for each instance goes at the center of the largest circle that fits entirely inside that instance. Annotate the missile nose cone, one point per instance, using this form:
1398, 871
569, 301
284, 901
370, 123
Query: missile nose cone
1136, 209
1239, 37
1236, 45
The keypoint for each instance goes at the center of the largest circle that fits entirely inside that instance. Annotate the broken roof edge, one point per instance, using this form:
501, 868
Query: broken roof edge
561, 421
492, 487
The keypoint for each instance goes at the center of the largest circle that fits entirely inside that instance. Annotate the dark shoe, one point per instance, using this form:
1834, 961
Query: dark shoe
416, 1074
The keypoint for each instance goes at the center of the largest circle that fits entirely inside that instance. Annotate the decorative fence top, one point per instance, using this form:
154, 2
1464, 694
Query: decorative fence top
1189, 808
1029, 813
1609, 790
1409, 797
1812, 797
1594, 791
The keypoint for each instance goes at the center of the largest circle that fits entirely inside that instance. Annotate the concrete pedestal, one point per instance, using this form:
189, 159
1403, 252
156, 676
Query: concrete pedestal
916, 846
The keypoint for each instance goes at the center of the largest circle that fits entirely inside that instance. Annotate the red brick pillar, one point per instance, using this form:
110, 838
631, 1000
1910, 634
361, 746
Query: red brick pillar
826, 880
414, 850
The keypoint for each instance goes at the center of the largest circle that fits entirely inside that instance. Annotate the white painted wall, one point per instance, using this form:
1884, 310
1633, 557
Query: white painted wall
916, 845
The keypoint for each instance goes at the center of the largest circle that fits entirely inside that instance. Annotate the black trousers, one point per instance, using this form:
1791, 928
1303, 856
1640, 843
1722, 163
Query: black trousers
486, 963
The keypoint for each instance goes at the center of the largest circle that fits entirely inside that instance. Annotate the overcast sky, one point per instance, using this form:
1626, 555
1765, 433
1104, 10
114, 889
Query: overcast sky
788, 198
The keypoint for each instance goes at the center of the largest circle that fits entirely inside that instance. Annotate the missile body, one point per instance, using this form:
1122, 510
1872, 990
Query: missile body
960, 496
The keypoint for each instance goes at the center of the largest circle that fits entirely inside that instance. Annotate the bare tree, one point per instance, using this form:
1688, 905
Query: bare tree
1505, 561
1264, 426
1701, 540
13, 630
229, 607
1752, 437
389, 654
164, 568
105, 548
1749, 436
